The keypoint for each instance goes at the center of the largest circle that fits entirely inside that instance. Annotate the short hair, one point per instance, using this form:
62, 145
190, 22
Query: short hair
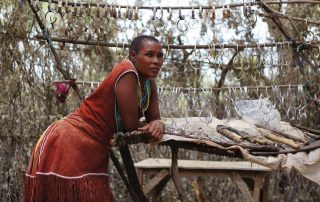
136, 42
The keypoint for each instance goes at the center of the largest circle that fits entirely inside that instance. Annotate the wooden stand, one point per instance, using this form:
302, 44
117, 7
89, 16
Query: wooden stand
239, 171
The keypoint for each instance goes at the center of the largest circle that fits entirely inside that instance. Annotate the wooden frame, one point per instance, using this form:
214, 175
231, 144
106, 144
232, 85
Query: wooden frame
239, 171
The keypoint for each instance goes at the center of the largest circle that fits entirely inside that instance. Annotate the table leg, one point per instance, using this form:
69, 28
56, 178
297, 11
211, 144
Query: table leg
266, 188
257, 185
175, 173
140, 176
242, 186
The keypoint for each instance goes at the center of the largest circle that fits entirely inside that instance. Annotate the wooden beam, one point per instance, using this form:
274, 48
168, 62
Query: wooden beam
280, 15
138, 195
201, 197
315, 131
242, 186
256, 187
232, 5
303, 148
229, 134
276, 20
277, 138
175, 173
265, 188
181, 89
163, 175
155, 194
281, 133
47, 37
173, 46
118, 166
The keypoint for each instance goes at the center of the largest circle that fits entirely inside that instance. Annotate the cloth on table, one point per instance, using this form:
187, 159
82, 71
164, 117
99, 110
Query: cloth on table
306, 163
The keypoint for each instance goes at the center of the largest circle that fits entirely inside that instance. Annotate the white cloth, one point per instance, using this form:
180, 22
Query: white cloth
307, 164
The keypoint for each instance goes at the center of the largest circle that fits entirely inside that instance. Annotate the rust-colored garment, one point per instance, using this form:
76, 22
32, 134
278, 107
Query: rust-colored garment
70, 160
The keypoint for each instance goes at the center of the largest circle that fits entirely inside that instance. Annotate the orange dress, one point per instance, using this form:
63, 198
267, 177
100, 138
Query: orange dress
70, 160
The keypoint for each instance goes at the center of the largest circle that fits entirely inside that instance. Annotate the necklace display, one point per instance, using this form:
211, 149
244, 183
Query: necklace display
144, 96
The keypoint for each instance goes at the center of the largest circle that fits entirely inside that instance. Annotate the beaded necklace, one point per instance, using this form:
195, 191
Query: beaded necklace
144, 97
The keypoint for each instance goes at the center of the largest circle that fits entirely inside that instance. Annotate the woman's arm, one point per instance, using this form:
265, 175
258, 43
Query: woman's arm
155, 126
127, 101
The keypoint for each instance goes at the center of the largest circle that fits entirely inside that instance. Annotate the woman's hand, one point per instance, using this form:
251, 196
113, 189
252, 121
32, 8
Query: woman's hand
155, 128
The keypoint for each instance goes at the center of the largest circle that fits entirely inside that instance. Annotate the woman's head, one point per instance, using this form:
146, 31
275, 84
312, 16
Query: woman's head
146, 55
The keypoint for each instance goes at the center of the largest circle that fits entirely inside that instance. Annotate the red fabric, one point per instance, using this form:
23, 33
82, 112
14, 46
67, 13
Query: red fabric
99, 108
73, 154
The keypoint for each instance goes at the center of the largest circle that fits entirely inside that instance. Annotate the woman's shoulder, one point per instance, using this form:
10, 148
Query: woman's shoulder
124, 65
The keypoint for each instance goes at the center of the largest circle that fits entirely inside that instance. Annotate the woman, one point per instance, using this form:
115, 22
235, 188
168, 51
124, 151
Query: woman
70, 160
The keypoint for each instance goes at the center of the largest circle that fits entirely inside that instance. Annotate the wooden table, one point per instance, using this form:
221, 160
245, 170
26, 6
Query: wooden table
159, 170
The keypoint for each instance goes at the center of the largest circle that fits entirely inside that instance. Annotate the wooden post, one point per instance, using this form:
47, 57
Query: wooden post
265, 188
48, 38
140, 176
138, 194
175, 172
156, 184
242, 186
155, 181
257, 185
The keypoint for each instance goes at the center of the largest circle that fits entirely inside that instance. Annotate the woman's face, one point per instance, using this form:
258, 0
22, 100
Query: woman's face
148, 61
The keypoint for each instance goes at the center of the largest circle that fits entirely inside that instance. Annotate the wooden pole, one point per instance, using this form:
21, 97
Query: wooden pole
172, 46
311, 146
103, 5
231, 135
119, 167
175, 173
47, 37
317, 132
286, 135
291, 86
274, 137
138, 195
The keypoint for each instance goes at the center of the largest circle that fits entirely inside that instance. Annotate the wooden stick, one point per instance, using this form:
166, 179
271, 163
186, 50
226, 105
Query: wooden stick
260, 140
172, 46
306, 128
291, 86
70, 3
252, 147
175, 173
199, 191
47, 37
317, 137
161, 176
313, 145
277, 138
275, 19
283, 140
284, 31
280, 15
231, 135
135, 138
118, 166
246, 136
138, 195
242, 186
286, 135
